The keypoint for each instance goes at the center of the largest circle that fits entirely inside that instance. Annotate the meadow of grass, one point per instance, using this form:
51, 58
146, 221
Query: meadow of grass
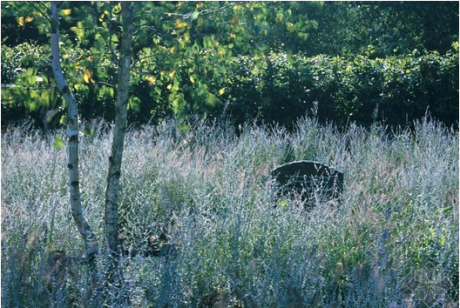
205, 194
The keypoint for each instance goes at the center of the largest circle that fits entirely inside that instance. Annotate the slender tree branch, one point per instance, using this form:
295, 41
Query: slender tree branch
41, 12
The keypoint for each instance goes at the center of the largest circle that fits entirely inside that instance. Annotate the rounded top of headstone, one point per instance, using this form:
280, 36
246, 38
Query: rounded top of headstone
308, 178
304, 167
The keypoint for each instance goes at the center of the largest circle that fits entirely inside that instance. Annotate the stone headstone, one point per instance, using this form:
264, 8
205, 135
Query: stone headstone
313, 181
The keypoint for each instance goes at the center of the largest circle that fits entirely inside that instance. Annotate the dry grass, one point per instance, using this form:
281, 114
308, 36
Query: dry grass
205, 196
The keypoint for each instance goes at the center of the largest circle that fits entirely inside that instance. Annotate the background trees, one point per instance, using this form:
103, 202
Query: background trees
381, 29
194, 58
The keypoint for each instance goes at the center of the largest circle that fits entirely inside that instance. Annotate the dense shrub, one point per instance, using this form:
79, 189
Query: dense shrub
273, 88
397, 90
25, 74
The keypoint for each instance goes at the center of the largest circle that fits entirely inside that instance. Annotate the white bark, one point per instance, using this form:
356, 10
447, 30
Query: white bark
72, 141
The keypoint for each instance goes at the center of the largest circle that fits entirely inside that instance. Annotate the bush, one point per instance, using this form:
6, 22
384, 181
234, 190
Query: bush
273, 88
281, 88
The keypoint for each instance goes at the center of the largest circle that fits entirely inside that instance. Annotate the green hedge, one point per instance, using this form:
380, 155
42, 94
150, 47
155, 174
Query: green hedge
281, 88
273, 88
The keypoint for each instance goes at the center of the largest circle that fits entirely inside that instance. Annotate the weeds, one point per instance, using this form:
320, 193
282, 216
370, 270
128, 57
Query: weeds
202, 201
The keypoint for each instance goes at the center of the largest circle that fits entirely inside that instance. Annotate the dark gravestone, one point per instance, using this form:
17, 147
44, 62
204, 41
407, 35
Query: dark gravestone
311, 180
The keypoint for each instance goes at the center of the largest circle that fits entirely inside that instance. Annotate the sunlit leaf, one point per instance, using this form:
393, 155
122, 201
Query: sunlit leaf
117, 9
211, 99
134, 104
88, 76
221, 51
187, 37
78, 31
106, 92
67, 12
179, 24
21, 21
195, 15
237, 7
58, 143
151, 79
31, 105
63, 119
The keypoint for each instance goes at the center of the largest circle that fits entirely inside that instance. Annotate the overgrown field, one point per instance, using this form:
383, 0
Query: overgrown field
201, 227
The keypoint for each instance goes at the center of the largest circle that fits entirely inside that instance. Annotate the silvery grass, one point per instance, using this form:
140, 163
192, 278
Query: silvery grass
236, 245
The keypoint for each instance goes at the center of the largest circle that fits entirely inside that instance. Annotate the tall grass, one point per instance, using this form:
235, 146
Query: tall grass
205, 195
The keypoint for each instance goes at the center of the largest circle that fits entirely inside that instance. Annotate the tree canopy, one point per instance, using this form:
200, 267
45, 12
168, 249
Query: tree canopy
193, 58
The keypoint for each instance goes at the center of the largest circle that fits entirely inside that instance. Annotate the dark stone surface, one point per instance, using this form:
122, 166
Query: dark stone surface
311, 180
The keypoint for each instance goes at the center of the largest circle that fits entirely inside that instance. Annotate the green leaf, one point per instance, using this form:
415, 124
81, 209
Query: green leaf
195, 15
31, 105
212, 100
58, 143
134, 104
88, 131
178, 103
63, 119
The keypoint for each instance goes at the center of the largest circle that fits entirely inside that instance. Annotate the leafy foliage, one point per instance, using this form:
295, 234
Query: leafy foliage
271, 61
380, 29
281, 88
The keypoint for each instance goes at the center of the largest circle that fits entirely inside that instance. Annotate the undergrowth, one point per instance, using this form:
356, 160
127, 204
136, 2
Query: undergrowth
221, 240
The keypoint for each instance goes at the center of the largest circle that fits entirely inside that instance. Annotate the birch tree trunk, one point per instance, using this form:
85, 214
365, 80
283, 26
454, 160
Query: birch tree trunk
115, 159
92, 246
